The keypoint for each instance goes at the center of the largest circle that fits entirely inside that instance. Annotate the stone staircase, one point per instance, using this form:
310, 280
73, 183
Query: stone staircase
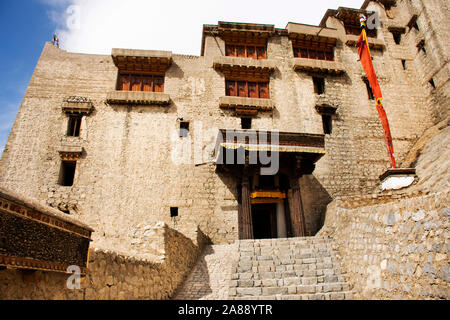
288, 269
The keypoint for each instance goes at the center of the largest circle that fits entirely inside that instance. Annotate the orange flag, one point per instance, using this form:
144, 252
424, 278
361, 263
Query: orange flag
366, 60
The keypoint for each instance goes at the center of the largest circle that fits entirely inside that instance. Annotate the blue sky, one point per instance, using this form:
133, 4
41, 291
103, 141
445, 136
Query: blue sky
25, 27
173, 25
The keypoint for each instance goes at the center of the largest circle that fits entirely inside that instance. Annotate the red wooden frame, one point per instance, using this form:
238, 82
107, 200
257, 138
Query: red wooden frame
139, 82
247, 89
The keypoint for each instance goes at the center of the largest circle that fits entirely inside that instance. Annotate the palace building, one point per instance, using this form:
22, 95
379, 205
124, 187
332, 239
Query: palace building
253, 139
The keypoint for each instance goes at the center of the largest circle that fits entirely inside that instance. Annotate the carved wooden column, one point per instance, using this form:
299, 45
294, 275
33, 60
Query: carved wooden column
246, 208
297, 215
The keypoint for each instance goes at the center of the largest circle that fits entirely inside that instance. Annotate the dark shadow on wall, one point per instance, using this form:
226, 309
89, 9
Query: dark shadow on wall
198, 282
315, 200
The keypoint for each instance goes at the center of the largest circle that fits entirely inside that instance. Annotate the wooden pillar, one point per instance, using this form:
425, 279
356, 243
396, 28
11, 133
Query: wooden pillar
246, 208
297, 215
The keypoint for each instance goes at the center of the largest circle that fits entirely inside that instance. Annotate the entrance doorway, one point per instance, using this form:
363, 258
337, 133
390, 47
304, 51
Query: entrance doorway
264, 218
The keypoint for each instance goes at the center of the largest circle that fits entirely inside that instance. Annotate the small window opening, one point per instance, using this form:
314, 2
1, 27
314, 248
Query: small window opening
74, 126
397, 37
431, 82
404, 64
319, 85
246, 123
327, 123
173, 212
67, 173
184, 129
369, 89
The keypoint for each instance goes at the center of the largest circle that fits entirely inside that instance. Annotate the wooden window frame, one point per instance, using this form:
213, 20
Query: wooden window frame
74, 125
231, 50
156, 82
313, 53
234, 84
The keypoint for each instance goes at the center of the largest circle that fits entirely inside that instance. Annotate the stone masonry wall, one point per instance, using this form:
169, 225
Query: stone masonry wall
114, 275
395, 250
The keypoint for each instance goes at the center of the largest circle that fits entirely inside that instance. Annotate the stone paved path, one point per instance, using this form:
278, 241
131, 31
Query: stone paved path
210, 278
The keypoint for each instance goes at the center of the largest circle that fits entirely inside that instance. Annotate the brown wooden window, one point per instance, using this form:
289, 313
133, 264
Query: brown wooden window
135, 82
247, 89
246, 51
356, 30
67, 173
314, 53
74, 126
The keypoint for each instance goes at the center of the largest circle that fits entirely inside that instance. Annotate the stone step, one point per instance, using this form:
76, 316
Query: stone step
286, 260
288, 281
292, 289
344, 295
324, 269
298, 271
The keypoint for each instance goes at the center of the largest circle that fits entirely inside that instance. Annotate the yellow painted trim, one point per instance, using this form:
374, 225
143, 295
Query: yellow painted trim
268, 194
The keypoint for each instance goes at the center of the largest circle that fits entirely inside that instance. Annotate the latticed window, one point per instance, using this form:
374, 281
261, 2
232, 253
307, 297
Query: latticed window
246, 51
247, 89
135, 82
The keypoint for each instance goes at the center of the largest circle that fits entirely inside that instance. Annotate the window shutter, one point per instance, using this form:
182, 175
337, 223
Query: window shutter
264, 90
136, 83
251, 52
261, 51
242, 86
147, 83
158, 83
240, 51
230, 51
124, 82
230, 87
252, 90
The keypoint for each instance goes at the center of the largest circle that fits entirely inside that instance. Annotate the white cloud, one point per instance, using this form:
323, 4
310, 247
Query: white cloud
172, 25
